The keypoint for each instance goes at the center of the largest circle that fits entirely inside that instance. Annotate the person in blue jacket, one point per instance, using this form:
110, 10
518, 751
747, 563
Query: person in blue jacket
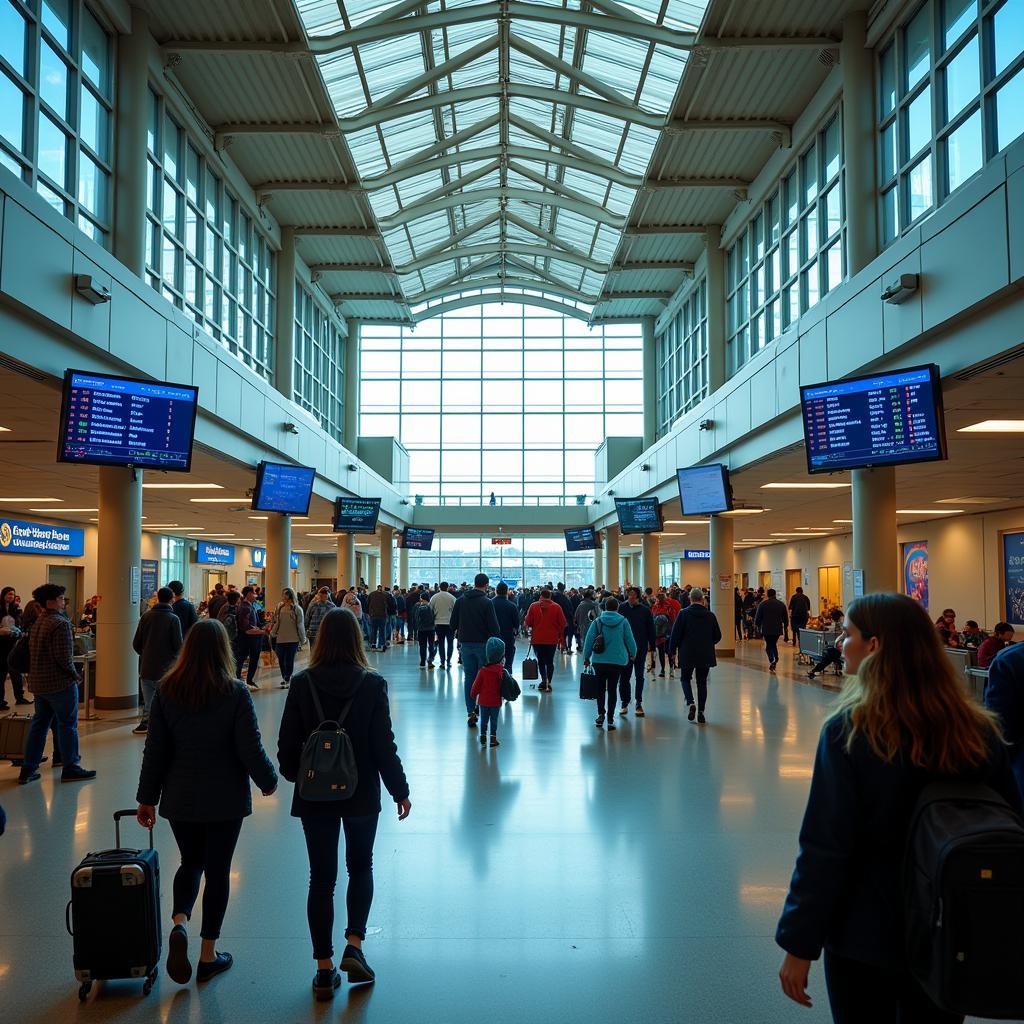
1004, 695
614, 663
902, 722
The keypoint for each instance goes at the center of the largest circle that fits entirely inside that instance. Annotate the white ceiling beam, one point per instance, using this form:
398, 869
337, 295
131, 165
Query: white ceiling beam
684, 265
351, 268
680, 126
736, 184
440, 291
560, 245
515, 248
467, 232
465, 301
450, 142
329, 232
642, 230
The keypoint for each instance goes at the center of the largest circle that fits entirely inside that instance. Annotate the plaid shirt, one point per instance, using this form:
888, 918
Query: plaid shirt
51, 650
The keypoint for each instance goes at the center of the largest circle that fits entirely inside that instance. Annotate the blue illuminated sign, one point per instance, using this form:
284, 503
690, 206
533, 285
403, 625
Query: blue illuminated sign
259, 558
211, 553
20, 538
697, 554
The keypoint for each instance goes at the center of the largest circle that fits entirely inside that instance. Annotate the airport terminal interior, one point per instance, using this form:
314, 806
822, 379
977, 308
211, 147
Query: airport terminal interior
720, 300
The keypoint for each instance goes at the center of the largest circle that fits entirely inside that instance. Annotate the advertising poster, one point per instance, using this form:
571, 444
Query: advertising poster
150, 577
1013, 576
915, 570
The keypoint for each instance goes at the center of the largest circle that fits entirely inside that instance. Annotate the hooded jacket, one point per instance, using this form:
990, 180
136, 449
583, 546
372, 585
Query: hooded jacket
473, 618
546, 620
487, 685
641, 621
157, 641
586, 611
619, 643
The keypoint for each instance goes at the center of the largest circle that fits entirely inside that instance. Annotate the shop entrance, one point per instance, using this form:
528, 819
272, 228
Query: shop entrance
211, 577
70, 577
764, 578
830, 588
794, 579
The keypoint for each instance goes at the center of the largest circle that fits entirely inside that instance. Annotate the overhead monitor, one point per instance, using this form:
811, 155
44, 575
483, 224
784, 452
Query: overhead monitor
581, 538
416, 540
884, 419
283, 488
638, 515
704, 489
356, 515
122, 421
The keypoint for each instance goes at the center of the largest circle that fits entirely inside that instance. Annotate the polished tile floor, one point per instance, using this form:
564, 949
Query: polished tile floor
568, 875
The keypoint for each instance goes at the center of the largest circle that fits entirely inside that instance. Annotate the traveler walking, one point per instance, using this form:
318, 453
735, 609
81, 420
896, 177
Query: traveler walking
799, 613
157, 642
545, 622
560, 598
641, 622
202, 749
771, 619
610, 645
339, 686
584, 614
53, 680
1004, 695
508, 622
10, 631
251, 634
318, 608
487, 688
442, 604
664, 616
694, 635
421, 623
182, 606
474, 622
377, 609
902, 721
287, 633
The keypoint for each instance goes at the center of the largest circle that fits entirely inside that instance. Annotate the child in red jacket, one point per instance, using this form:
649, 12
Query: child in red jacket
487, 688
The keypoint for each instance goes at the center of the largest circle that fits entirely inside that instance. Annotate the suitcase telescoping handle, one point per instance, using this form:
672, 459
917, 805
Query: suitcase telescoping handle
129, 813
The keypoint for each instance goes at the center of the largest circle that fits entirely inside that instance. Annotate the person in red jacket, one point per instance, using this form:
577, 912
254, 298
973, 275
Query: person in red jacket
487, 688
991, 646
546, 622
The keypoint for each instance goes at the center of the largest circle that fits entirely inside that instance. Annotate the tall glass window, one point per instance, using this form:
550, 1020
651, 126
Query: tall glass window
683, 358
57, 107
173, 561
319, 362
791, 251
204, 252
951, 89
510, 399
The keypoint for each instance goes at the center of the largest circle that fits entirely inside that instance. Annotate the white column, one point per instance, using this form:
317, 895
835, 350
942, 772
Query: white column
716, 307
284, 322
348, 569
611, 558
650, 390
598, 565
351, 410
119, 585
651, 552
722, 600
875, 548
278, 575
403, 568
371, 571
387, 575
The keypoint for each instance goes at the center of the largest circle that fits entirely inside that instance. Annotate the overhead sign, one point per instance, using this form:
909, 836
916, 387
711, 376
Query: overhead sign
501, 541
211, 553
259, 558
697, 554
21, 538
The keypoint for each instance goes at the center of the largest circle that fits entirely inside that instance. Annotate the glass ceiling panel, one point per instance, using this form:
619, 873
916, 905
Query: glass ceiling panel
584, 95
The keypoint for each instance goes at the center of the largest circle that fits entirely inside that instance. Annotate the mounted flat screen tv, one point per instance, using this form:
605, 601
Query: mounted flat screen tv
283, 488
356, 515
581, 538
416, 540
704, 490
883, 419
124, 421
638, 515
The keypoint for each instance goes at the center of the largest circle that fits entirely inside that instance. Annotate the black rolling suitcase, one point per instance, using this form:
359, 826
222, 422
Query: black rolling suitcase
114, 914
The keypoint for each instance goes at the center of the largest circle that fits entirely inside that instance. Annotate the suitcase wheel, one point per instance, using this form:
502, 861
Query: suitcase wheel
150, 978
83, 991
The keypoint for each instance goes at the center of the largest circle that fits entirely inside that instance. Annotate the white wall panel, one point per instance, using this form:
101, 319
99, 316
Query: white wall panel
39, 274
855, 332
138, 333
91, 321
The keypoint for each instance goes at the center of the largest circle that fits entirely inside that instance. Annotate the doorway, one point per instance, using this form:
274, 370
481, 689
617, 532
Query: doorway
211, 577
830, 588
764, 578
794, 579
744, 580
70, 577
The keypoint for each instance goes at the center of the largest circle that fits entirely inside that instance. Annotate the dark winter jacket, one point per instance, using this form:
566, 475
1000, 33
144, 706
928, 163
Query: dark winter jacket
1004, 694
377, 605
771, 617
507, 615
799, 610
694, 634
473, 618
641, 621
186, 613
157, 641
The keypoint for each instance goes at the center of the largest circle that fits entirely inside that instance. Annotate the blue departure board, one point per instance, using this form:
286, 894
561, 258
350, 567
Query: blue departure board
121, 421
704, 489
356, 515
417, 539
883, 419
581, 538
638, 515
283, 488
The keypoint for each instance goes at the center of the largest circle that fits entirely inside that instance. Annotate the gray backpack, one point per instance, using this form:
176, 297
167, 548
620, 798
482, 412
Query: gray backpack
327, 767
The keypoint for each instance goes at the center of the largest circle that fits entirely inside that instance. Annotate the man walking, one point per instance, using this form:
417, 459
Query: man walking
442, 604
157, 642
508, 622
799, 613
641, 621
250, 636
694, 635
53, 680
182, 606
377, 609
318, 608
474, 621
771, 619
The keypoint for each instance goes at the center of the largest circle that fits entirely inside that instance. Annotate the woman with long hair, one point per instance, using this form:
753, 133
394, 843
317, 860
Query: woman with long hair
339, 686
202, 749
902, 721
288, 633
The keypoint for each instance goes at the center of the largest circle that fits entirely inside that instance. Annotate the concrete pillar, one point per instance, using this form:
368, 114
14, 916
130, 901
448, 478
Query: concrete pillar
130, 141
859, 139
277, 574
650, 370
626, 574
371, 571
717, 368
651, 556
682, 581
348, 569
284, 324
350, 434
387, 547
611, 558
598, 565
874, 528
721, 599
118, 582
403, 568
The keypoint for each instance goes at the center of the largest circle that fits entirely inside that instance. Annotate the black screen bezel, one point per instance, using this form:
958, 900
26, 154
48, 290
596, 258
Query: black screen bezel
661, 521
261, 469
726, 487
337, 510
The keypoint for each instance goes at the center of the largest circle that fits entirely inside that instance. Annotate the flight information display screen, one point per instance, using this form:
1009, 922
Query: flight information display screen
704, 489
878, 420
283, 488
582, 538
417, 540
638, 515
121, 421
356, 515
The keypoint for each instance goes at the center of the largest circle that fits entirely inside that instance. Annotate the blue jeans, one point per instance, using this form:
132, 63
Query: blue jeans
149, 687
489, 715
378, 632
248, 646
472, 662
63, 706
286, 659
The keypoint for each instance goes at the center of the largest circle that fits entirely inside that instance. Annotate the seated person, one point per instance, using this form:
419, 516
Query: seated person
972, 635
946, 625
990, 647
833, 654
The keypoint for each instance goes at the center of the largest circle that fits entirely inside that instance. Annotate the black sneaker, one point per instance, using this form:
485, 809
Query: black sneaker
483, 739
701, 720
639, 712
494, 741
76, 773
471, 721
142, 728
179, 967
57, 763
611, 724
24, 780
210, 969
325, 982
599, 721
691, 713
4, 706
810, 675
624, 710
21, 702
354, 964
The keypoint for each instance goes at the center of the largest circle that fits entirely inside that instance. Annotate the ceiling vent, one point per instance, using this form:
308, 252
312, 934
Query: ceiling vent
1003, 359
829, 57
26, 371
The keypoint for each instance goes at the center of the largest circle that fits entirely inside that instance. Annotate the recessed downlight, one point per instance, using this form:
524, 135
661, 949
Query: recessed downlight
994, 427
802, 487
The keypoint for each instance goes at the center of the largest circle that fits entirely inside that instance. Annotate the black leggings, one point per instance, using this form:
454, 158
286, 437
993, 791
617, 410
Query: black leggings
609, 678
322, 835
206, 849
832, 656
545, 661
428, 645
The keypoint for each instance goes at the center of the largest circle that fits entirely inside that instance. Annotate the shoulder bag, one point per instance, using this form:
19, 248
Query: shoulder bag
531, 670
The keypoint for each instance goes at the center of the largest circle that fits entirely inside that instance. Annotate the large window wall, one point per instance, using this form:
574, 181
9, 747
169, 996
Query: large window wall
509, 399
173, 560
791, 252
683, 359
951, 96
319, 362
56, 107
204, 252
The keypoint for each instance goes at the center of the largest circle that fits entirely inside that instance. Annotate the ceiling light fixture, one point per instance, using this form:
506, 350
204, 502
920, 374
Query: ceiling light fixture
843, 521
65, 510
744, 512
259, 517
5, 430
802, 487
969, 501
26, 501
687, 522
994, 427
182, 487
321, 535
929, 511
218, 501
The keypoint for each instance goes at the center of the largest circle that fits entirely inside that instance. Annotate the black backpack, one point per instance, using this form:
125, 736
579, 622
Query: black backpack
230, 623
510, 689
327, 767
963, 888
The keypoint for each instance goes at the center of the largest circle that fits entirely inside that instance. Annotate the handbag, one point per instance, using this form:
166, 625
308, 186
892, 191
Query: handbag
589, 686
509, 688
18, 656
327, 766
531, 670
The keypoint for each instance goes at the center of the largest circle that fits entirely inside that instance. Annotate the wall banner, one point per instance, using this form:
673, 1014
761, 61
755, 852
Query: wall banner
915, 570
21, 538
1013, 576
